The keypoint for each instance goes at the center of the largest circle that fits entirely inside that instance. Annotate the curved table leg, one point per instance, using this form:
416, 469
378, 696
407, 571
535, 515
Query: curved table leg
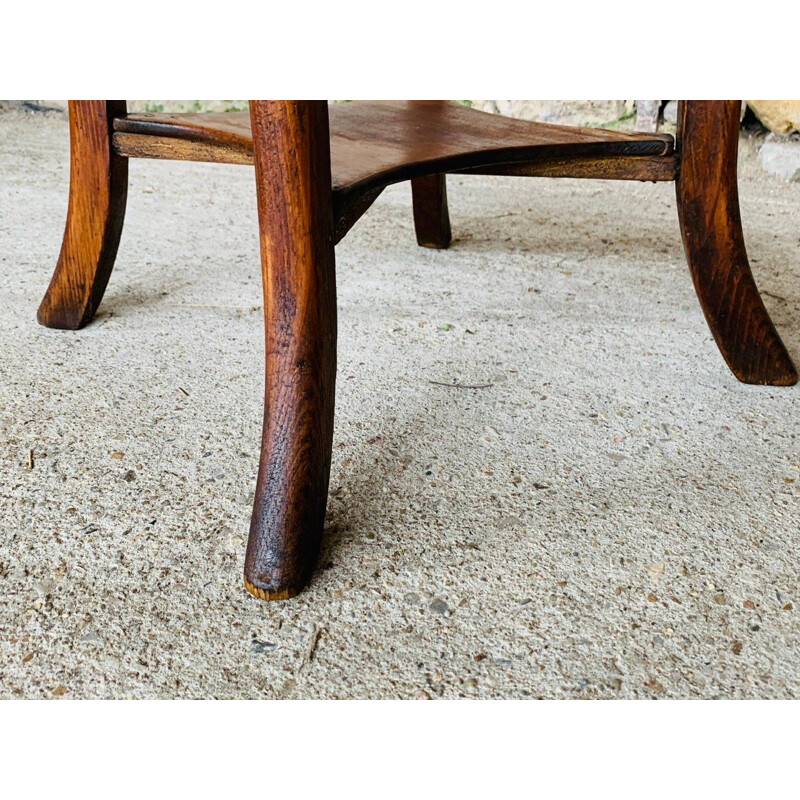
431, 217
708, 210
98, 189
293, 183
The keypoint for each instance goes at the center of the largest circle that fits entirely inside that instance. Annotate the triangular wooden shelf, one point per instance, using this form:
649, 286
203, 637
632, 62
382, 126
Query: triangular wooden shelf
377, 143
374, 144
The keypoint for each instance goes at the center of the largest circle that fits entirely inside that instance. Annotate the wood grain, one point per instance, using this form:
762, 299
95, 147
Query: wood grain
317, 171
608, 168
708, 210
375, 144
293, 185
134, 145
378, 143
98, 189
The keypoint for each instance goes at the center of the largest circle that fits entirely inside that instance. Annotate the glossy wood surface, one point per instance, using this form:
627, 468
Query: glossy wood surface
293, 181
98, 188
708, 210
374, 144
607, 168
377, 143
313, 181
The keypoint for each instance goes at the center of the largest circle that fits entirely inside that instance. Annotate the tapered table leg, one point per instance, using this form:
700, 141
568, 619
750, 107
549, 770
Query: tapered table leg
293, 179
98, 189
708, 210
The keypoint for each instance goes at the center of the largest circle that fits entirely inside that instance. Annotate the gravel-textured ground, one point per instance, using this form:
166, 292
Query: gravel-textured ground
615, 516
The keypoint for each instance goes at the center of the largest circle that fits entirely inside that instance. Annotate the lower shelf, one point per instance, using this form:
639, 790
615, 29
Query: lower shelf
374, 144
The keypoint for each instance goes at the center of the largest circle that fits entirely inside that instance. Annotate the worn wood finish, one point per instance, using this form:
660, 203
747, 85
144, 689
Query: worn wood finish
431, 217
169, 148
219, 137
293, 184
374, 144
378, 143
609, 168
98, 189
314, 181
708, 210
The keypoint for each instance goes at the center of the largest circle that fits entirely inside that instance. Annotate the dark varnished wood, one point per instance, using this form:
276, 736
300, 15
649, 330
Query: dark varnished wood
98, 190
374, 144
708, 210
293, 183
378, 143
315, 180
431, 217
347, 211
609, 168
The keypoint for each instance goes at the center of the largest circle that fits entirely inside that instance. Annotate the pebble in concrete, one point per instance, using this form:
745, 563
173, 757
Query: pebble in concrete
781, 157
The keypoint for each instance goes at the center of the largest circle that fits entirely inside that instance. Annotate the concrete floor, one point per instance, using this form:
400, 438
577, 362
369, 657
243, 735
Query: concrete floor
614, 517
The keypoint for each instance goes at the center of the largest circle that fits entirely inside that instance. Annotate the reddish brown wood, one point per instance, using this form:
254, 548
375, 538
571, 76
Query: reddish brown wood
347, 211
708, 210
171, 148
314, 181
98, 189
608, 168
295, 210
374, 144
431, 217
